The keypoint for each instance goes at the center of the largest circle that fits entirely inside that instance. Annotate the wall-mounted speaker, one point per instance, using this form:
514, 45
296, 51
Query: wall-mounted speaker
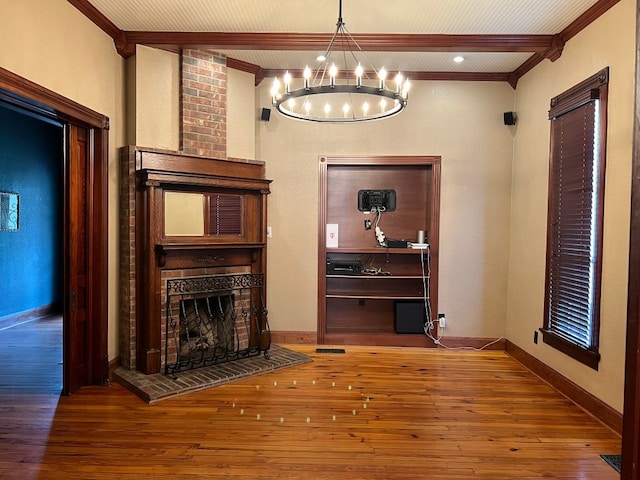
509, 118
265, 115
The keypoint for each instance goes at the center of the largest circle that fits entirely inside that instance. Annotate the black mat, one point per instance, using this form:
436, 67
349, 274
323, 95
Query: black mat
157, 386
614, 460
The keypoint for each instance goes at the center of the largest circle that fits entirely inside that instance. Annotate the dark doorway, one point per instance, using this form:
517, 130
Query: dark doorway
84, 136
31, 255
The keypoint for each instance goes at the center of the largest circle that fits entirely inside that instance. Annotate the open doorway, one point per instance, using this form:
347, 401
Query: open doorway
84, 226
31, 251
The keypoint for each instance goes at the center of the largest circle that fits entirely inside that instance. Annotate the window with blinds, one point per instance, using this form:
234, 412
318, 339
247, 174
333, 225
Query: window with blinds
574, 230
225, 214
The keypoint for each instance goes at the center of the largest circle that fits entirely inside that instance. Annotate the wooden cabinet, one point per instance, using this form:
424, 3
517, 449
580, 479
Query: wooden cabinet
359, 307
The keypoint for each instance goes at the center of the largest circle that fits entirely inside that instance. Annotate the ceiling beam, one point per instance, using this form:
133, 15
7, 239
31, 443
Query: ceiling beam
367, 42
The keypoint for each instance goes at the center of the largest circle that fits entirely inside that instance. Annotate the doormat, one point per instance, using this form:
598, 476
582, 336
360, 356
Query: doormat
614, 460
157, 386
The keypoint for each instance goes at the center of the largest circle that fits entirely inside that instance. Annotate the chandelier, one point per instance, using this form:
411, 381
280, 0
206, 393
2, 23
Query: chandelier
341, 90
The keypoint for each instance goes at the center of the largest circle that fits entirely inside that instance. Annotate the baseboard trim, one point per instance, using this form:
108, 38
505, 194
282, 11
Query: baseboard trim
28, 315
294, 338
585, 400
473, 343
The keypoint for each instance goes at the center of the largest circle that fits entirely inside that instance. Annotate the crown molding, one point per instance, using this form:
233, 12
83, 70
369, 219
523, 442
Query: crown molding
541, 46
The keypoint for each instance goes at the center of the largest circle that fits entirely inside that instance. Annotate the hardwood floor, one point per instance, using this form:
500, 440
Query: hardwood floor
31, 357
371, 413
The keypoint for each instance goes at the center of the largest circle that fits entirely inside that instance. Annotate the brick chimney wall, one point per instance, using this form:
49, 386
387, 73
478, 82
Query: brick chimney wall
203, 104
203, 110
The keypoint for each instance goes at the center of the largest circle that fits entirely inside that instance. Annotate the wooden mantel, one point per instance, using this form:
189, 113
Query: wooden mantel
159, 171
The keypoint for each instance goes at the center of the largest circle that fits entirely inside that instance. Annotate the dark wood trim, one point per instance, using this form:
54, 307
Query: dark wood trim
437, 76
526, 67
590, 358
541, 46
123, 46
182, 164
631, 427
367, 41
99, 255
256, 70
473, 343
294, 338
37, 99
585, 400
587, 18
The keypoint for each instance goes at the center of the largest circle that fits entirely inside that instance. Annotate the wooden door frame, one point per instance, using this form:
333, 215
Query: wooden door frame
631, 413
36, 99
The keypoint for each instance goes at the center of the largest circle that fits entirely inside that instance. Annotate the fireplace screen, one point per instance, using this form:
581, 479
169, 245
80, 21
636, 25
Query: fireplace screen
214, 319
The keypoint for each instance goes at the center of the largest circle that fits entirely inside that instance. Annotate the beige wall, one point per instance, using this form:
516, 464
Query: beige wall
460, 121
241, 113
156, 98
52, 44
590, 51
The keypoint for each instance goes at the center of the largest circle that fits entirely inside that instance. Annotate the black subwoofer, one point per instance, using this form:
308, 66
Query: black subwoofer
409, 317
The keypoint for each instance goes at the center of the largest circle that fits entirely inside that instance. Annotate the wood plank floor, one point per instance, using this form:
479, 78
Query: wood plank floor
371, 413
31, 357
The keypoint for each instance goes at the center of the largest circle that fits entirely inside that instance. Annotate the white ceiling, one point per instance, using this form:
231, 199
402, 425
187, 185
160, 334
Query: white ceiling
447, 17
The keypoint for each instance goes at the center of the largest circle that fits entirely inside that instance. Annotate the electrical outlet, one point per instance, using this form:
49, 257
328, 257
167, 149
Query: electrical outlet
367, 224
442, 321
535, 336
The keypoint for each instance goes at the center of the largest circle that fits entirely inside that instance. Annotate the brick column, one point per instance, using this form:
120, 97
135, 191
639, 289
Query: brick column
203, 104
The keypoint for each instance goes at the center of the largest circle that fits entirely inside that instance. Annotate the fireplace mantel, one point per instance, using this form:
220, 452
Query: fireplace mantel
155, 256
192, 255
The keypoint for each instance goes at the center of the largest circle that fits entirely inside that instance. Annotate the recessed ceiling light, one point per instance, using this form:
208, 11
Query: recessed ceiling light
458, 59
321, 58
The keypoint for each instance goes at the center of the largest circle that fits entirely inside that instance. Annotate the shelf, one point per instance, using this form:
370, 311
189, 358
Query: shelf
378, 250
375, 297
379, 277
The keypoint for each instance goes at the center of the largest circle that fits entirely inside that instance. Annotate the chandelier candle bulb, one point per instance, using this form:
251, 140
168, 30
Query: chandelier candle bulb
359, 72
287, 82
307, 76
382, 75
333, 72
405, 90
399, 80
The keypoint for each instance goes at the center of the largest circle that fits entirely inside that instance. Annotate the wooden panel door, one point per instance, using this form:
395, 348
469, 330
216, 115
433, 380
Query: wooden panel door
76, 331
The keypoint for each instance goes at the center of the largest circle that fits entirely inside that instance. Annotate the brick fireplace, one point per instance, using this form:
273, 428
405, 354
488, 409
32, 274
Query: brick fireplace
151, 258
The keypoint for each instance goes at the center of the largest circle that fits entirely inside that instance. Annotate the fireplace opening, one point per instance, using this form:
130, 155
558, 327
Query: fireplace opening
206, 328
214, 319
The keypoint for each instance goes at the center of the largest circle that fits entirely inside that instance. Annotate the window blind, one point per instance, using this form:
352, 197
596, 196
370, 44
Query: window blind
225, 214
572, 256
574, 234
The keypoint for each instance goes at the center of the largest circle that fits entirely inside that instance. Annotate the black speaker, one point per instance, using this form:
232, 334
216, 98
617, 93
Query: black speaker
509, 118
410, 317
265, 115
